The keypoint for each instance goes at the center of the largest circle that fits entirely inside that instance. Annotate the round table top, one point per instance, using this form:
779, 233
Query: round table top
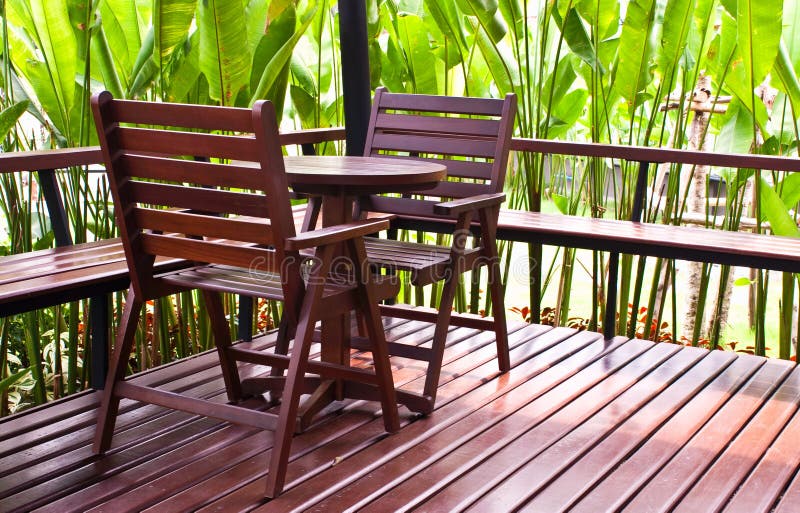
361, 175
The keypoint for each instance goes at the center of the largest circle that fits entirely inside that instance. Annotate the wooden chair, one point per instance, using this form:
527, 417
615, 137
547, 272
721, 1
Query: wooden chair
473, 135
168, 203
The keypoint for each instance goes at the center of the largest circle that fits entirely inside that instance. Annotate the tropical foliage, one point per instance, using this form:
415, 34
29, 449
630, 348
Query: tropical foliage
587, 70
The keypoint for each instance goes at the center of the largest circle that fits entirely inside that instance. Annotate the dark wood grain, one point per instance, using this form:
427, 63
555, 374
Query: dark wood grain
578, 423
730, 407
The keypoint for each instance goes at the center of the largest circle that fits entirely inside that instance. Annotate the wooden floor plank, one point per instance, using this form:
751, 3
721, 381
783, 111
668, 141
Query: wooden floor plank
468, 482
130, 444
459, 334
517, 427
40, 423
537, 375
307, 469
144, 498
579, 424
614, 443
790, 498
510, 488
515, 491
720, 481
689, 466
617, 488
763, 487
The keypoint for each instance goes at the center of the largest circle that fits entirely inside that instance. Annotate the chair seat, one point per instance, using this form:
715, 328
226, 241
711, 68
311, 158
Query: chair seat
426, 262
225, 278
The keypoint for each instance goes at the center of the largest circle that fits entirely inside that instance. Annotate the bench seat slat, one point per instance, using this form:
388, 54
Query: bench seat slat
651, 234
742, 249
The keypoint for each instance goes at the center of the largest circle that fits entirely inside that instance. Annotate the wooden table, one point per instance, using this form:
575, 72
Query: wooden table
339, 180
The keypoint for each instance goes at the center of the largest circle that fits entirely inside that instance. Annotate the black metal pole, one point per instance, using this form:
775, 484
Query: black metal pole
55, 206
98, 305
99, 326
356, 87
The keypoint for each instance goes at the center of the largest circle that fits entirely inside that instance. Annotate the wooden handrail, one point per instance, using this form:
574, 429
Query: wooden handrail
68, 157
49, 159
657, 155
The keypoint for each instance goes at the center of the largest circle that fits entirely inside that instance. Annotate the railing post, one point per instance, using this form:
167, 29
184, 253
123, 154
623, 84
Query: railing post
245, 328
55, 206
98, 324
639, 193
610, 319
98, 305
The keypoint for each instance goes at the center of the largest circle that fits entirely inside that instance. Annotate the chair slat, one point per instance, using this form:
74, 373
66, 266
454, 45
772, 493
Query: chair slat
194, 172
455, 168
170, 143
220, 252
438, 124
185, 116
399, 206
195, 198
249, 230
445, 104
263, 285
458, 190
434, 145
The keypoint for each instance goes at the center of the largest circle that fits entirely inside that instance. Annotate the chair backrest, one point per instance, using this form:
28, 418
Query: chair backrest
472, 134
176, 194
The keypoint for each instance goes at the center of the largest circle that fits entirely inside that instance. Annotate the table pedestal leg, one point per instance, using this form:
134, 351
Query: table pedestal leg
335, 330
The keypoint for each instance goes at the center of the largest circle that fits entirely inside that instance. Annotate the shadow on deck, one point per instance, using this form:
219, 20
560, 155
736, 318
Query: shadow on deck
579, 423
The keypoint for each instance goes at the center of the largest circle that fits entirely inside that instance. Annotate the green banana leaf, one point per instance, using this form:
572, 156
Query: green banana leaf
225, 58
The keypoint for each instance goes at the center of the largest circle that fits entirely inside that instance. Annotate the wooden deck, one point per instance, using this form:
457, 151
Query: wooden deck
579, 423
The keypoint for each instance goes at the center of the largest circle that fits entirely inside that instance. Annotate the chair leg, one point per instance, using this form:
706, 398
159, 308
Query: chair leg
287, 417
284, 336
383, 369
109, 405
282, 343
440, 336
488, 220
371, 318
499, 316
222, 341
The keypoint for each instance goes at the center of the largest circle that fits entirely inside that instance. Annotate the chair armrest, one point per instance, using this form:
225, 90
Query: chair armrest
333, 234
455, 207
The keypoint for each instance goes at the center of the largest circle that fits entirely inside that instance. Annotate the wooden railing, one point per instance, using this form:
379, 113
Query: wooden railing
44, 163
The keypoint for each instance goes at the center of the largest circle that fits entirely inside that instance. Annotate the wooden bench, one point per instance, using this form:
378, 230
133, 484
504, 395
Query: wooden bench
72, 272
616, 236
631, 236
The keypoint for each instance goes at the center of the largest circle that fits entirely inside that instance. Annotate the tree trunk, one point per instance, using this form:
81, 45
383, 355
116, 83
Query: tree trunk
696, 202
